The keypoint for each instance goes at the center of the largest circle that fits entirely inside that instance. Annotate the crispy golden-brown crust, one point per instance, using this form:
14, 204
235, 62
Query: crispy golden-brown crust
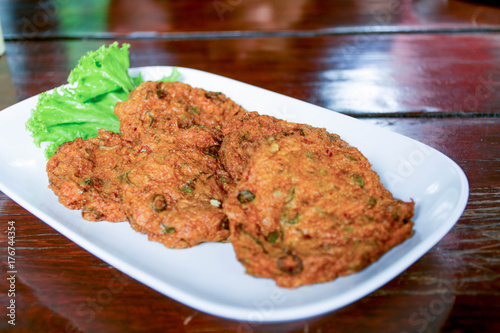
166, 107
85, 175
167, 154
243, 133
175, 191
308, 208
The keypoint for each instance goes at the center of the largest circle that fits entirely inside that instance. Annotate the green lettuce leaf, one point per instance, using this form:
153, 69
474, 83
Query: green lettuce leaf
99, 81
102, 71
60, 117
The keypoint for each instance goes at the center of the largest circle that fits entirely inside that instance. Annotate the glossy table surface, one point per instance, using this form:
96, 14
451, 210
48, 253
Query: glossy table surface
426, 69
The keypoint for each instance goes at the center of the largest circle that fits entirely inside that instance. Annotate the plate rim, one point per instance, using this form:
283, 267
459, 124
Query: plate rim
280, 315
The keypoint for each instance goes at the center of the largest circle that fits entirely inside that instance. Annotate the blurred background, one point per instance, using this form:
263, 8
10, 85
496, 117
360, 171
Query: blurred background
247, 38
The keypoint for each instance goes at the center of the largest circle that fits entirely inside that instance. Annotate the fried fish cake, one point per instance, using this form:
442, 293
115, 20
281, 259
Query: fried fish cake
309, 208
84, 174
174, 193
243, 133
166, 107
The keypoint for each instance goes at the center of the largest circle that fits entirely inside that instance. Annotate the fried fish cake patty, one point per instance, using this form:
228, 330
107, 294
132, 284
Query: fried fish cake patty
309, 208
166, 107
84, 174
175, 190
243, 133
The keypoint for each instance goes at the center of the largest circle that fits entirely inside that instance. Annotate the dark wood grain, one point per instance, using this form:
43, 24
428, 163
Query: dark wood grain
429, 74
153, 18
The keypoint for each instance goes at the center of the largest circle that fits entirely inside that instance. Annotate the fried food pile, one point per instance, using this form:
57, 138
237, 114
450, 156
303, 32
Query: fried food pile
299, 204
162, 174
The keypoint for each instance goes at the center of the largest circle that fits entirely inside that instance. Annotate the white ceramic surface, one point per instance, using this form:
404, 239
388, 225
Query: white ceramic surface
208, 277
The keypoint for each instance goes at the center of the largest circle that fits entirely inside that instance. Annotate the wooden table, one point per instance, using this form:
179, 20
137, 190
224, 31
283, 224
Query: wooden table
426, 69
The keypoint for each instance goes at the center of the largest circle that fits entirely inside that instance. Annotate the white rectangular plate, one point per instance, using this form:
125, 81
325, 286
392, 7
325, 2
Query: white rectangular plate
208, 277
